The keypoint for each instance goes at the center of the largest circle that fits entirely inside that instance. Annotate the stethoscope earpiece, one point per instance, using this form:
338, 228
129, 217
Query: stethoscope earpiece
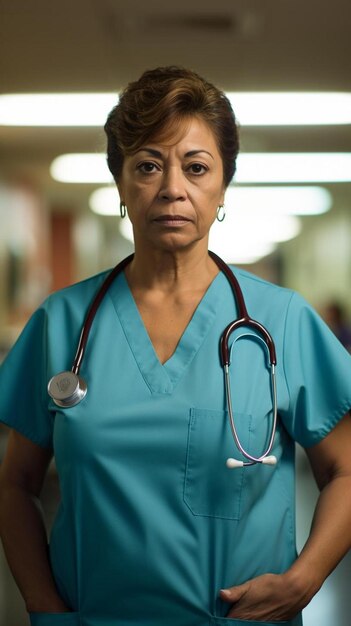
266, 460
67, 389
269, 460
234, 463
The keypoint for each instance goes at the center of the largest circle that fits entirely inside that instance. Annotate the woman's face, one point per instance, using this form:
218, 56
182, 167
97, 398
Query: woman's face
172, 188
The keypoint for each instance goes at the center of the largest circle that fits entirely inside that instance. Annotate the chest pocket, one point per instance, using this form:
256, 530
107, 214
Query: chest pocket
210, 488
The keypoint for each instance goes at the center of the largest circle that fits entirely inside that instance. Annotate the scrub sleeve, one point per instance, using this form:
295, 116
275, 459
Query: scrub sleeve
23, 384
45, 347
317, 371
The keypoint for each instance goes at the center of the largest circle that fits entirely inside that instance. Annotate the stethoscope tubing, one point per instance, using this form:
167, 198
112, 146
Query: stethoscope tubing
243, 317
264, 457
68, 389
84, 336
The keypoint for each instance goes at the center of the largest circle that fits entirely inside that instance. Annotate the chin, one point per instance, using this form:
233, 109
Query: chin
178, 244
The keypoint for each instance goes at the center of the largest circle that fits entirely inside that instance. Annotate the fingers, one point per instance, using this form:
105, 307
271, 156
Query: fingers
233, 594
264, 598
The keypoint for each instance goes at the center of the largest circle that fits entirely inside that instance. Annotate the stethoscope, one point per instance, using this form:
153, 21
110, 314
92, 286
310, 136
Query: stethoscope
68, 388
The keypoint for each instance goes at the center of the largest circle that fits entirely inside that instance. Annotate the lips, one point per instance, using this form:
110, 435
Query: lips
175, 219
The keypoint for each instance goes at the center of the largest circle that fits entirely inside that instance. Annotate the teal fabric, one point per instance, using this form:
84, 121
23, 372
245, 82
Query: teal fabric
53, 619
152, 524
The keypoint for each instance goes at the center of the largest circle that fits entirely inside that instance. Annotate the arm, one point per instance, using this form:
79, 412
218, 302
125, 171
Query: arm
280, 597
21, 524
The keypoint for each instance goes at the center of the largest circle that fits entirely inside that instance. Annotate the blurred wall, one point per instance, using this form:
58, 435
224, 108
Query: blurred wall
318, 262
25, 275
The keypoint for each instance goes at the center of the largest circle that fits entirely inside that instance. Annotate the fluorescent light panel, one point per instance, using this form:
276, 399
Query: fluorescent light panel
243, 239
251, 108
81, 168
76, 109
291, 108
295, 167
267, 201
283, 200
252, 229
105, 201
258, 167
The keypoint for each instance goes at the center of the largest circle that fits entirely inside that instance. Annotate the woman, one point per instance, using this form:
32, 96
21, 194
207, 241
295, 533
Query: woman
153, 528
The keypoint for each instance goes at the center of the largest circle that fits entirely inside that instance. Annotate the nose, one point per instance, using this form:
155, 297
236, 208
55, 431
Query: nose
173, 185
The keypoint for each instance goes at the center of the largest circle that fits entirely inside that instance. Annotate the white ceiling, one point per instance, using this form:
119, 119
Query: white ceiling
100, 45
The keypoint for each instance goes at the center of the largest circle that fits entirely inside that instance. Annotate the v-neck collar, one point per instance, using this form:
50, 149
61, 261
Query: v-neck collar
162, 378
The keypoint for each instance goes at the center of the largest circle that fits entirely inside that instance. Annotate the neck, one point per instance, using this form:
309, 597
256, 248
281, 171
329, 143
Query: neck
171, 271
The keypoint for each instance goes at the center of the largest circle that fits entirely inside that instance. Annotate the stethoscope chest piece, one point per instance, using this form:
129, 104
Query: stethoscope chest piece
67, 389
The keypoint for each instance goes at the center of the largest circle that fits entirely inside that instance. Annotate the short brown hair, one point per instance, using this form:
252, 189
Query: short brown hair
162, 98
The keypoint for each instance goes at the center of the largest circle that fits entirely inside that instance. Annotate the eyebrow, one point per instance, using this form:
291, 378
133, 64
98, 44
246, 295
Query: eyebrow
158, 154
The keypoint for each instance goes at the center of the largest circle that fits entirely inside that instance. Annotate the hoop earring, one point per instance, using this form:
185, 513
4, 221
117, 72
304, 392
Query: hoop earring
221, 213
122, 210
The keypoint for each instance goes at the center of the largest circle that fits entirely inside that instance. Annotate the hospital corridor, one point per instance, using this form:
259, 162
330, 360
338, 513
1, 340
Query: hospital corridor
76, 200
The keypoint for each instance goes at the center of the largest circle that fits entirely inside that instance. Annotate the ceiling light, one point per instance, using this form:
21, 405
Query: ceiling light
241, 241
240, 252
105, 201
291, 108
256, 227
295, 167
251, 108
81, 168
260, 167
247, 236
75, 109
283, 200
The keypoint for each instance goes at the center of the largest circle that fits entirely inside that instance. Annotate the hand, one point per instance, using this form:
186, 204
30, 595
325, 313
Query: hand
267, 598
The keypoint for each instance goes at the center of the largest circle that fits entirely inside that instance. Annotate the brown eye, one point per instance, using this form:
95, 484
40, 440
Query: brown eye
197, 169
147, 167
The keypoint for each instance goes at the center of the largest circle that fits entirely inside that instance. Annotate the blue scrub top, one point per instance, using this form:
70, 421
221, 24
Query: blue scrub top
151, 523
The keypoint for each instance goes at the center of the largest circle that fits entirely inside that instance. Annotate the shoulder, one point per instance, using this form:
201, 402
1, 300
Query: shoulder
88, 285
79, 295
262, 291
252, 281
275, 306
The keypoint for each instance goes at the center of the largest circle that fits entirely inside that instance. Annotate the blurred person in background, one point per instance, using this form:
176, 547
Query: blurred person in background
158, 523
335, 316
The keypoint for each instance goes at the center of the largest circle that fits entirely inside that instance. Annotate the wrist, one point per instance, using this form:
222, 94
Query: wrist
302, 582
